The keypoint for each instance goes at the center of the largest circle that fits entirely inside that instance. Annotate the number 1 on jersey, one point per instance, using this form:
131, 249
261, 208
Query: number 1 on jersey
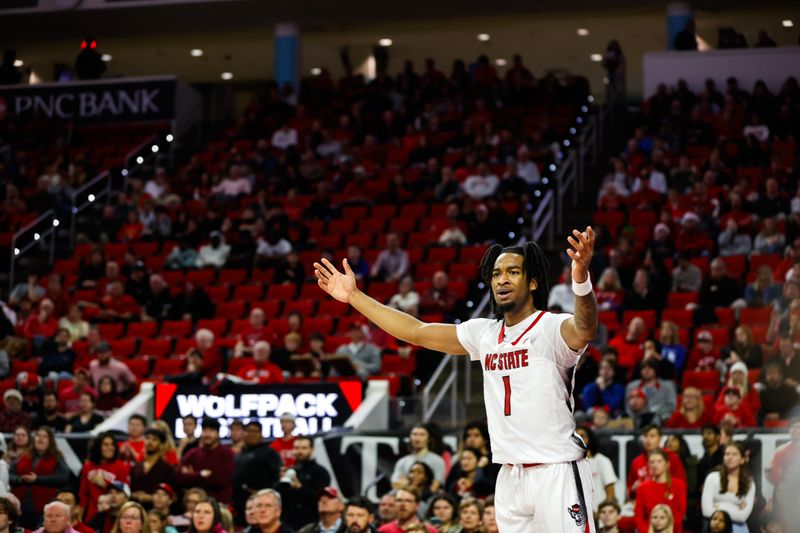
507, 385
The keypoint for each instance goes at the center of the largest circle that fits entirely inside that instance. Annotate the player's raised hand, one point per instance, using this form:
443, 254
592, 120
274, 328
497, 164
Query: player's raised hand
581, 253
340, 286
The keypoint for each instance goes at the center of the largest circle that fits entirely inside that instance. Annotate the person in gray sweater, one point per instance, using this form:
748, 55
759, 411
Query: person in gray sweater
661, 396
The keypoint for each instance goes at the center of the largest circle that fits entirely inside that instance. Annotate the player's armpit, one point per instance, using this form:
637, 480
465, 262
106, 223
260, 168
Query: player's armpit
439, 337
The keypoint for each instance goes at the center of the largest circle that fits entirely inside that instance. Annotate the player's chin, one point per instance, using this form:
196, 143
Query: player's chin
506, 307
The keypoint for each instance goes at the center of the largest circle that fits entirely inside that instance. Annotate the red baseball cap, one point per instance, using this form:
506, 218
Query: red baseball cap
166, 488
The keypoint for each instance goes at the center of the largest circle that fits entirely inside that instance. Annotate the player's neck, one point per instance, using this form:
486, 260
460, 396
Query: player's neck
512, 318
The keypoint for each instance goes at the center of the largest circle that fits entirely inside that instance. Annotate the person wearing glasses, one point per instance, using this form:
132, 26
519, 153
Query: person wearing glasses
131, 519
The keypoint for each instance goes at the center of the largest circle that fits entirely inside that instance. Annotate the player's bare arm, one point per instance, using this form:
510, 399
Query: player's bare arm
579, 330
342, 286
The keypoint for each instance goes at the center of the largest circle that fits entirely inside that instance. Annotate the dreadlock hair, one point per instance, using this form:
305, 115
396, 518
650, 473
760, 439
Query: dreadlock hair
534, 266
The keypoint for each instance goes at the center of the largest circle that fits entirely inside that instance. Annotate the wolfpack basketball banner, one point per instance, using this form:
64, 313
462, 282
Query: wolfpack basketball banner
128, 100
317, 408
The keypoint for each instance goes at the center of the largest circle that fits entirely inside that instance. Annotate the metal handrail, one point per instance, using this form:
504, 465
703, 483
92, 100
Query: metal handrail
51, 222
429, 405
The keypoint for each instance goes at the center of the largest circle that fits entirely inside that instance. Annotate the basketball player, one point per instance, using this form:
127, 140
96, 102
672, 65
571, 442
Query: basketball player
528, 357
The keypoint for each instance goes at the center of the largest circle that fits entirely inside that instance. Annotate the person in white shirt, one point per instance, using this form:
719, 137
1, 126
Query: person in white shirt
528, 357
481, 185
157, 187
234, 184
406, 299
213, 254
740, 491
285, 137
603, 474
561, 295
527, 168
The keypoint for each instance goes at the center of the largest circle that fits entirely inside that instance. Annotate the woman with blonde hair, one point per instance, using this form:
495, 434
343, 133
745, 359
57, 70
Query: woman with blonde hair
661, 519
691, 413
738, 379
131, 518
671, 348
470, 515
609, 291
169, 448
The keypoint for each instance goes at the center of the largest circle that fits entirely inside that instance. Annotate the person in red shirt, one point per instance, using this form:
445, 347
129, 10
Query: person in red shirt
205, 343
70, 396
133, 448
261, 370
704, 355
629, 345
661, 488
68, 497
255, 330
734, 413
102, 467
691, 239
43, 324
691, 414
116, 305
787, 458
738, 378
285, 444
639, 471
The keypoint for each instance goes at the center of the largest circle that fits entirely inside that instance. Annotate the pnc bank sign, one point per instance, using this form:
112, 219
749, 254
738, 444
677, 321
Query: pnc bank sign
130, 100
316, 407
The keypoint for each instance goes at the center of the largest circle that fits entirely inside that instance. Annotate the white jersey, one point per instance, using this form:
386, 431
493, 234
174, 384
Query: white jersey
528, 376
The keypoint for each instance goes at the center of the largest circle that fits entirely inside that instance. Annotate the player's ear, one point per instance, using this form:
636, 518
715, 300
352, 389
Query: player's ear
533, 284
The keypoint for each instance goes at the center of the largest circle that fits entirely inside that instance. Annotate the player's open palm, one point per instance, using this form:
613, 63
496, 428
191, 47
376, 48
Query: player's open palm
340, 286
581, 252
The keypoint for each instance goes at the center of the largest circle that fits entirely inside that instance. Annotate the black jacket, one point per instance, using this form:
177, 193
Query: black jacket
300, 505
257, 467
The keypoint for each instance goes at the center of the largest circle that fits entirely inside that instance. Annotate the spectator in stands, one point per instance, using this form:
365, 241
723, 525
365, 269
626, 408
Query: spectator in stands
466, 478
731, 241
116, 305
738, 377
109, 506
49, 414
271, 249
251, 333
359, 265
182, 256
70, 396
58, 357
192, 303
713, 452
609, 292
788, 357
189, 440
442, 513
407, 509
419, 442
561, 295
153, 473
482, 184
215, 253
42, 324
642, 296
387, 509
284, 443
108, 399
743, 350
448, 189
691, 239
364, 356
158, 303
210, 466
769, 240
74, 323
57, 518
284, 137
107, 365
603, 475
763, 290
261, 370
191, 498
730, 488
660, 488
91, 270
269, 510
30, 289
639, 472
734, 413
629, 344
778, 399
300, 485
704, 356
207, 517
604, 392
392, 263
671, 348
68, 497
718, 290
37, 475
86, 418
686, 276
406, 299
133, 449
439, 298
13, 416
258, 466
103, 466
608, 515
526, 167
289, 270
661, 519
691, 413
330, 509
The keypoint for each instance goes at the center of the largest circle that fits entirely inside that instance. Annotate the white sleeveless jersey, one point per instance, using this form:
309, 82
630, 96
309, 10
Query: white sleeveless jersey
528, 376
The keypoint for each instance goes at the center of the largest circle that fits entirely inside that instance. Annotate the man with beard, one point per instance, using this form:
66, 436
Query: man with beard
407, 513
359, 515
299, 485
210, 466
712, 457
49, 415
257, 467
148, 475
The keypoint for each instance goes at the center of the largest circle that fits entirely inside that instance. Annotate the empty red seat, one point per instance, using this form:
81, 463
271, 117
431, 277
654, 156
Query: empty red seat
333, 308
202, 277
649, 318
230, 310
217, 326
422, 238
182, 346
354, 212
140, 367
156, 347
248, 293
463, 271
395, 364
425, 271
265, 276
642, 218
110, 331
608, 218
304, 307
282, 292
610, 319
169, 367
682, 317
123, 347
736, 265
232, 276
472, 254
706, 381
755, 316
330, 241
442, 255
383, 211
218, 293
271, 307
145, 249
342, 226
176, 328
679, 300
415, 211
322, 325
142, 329
725, 316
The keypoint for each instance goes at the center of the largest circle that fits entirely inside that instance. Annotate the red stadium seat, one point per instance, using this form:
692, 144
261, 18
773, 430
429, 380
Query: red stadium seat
643, 218
270, 307
248, 293
322, 325
217, 326
123, 347
142, 329
230, 310
176, 328
333, 308
218, 293
736, 265
203, 277
383, 211
304, 307
472, 254
442, 255
415, 211
649, 318
463, 271
169, 367
679, 300
706, 381
110, 331
755, 316
333, 342
425, 271
282, 292
156, 347
232, 276
608, 218
395, 364
183, 345
145, 249
265, 276
682, 317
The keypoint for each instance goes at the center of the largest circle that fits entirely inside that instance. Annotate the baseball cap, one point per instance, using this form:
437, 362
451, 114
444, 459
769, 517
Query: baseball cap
12, 393
120, 486
166, 488
102, 346
705, 335
330, 492
733, 390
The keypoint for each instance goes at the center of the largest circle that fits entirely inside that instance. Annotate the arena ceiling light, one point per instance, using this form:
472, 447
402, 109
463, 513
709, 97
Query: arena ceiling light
583, 32
500, 62
385, 41
596, 57
316, 71
227, 76
484, 37
196, 52
787, 23
106, 57
18, 63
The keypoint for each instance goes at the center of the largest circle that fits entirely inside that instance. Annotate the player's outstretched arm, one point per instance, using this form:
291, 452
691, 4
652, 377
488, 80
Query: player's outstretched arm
582, 328
342, 286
